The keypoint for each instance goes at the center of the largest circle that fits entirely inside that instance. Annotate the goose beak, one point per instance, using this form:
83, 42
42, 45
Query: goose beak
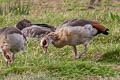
44, 49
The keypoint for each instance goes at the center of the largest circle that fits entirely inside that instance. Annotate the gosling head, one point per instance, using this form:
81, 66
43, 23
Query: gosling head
45, 42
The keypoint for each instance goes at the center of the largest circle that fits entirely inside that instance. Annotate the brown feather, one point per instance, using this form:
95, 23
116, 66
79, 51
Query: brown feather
83, 22
23, 24
99, 27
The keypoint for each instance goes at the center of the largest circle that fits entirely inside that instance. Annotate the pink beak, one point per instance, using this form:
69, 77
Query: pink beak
44, 49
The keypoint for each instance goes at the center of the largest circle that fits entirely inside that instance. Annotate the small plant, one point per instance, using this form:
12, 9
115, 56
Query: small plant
20, 10
114, 16
14, 7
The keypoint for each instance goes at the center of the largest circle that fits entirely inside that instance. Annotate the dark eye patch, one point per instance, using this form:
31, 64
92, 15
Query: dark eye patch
44, 42
7, 57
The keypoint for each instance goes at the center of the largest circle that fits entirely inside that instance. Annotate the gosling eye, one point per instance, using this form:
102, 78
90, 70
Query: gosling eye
44, 42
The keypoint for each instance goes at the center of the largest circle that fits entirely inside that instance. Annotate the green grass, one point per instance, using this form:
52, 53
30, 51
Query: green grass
100, 62
14, 7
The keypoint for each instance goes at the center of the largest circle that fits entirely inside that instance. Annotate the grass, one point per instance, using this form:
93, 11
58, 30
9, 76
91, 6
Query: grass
14, 7
100, 62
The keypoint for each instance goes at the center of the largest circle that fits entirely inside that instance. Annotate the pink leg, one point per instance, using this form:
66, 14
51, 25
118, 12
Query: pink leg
75, 51
13, 57
84, 51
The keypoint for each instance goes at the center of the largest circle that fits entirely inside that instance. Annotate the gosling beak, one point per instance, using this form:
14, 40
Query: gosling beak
44, 49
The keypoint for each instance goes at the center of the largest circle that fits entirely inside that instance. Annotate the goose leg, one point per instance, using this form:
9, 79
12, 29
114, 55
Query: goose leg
84, 51
13, 56
75, 51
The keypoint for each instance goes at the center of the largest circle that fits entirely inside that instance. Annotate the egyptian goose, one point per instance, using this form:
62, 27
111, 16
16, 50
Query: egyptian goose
74, 32
34, 30
11, 41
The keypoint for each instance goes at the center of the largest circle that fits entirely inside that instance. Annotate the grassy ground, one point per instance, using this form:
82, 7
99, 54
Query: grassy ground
102, 61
